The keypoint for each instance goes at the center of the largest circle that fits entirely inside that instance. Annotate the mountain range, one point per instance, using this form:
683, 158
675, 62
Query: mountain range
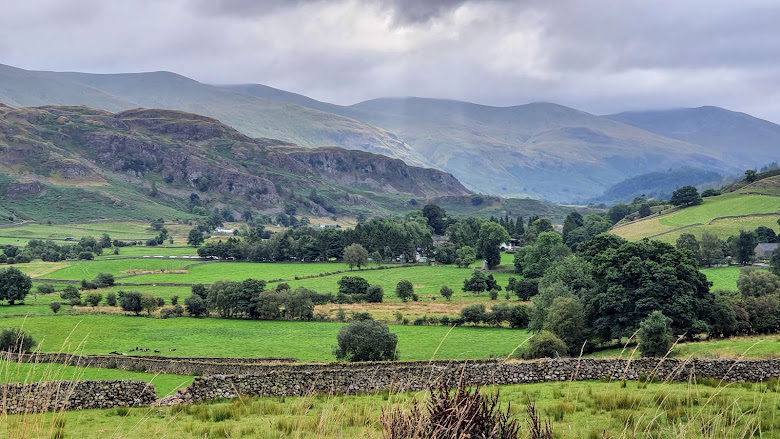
540, 150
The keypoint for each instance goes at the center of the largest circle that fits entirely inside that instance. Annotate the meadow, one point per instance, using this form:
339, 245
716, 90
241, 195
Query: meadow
722, 278
124, 230
210, 337
697, 219
575, 409
759, 346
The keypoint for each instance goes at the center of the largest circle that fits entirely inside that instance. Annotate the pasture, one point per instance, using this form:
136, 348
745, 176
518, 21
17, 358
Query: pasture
722, 278
577, 409
706, 217
209, 337
124, 230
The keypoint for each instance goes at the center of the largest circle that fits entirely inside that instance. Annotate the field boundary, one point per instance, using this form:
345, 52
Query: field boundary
749, 215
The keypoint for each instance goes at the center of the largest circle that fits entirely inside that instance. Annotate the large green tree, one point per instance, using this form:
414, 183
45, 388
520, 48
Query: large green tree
743, 247
641, 277
491, 235
14, 285
711, 249
435, 216
685, 196
366, 340
355, 256
548, 249
688, 241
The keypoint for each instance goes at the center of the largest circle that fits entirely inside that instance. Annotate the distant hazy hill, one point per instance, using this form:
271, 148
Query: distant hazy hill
749, 141
658, 185
541, 150
76, 163
255, 117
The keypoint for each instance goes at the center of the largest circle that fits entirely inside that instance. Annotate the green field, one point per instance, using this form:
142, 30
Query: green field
722, 278
29, 373
139, 251
125, 230
697, 219
77, 270
576, 410
306, 341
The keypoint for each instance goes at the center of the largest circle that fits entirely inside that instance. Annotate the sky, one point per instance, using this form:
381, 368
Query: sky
600, 56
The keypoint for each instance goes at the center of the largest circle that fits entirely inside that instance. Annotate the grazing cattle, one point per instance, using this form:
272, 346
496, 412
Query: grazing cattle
157, 352
173, 350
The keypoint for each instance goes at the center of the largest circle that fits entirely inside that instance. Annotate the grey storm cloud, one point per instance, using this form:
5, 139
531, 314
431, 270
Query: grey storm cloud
600, 56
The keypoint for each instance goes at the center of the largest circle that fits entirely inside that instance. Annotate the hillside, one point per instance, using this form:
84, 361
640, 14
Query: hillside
539, 150
658, 185
750, 141
77, 163
253, 116
754, 205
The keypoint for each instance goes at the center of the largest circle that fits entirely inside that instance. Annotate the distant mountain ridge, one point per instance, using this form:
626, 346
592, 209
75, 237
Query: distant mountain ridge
540, 150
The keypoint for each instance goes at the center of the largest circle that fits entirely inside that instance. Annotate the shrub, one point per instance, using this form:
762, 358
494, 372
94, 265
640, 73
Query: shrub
195, 306
70, 292
544, 344
375, 294
104, 280
493, 294
55, 306
405, 290
86, 256
473, 314
446, 292
160, 302
518, 317
174, 300
111, 299
654, 335
366, 341
76, 301
45, 289
93, 299
88, 285
15, 340
361, 316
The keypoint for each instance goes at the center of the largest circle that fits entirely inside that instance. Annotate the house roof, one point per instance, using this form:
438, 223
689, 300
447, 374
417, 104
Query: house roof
767, 246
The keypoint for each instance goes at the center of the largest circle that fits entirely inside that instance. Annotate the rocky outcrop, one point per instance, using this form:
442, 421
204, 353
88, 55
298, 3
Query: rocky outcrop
18, 190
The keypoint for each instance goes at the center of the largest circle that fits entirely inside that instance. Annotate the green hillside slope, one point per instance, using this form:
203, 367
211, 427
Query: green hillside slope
754, 205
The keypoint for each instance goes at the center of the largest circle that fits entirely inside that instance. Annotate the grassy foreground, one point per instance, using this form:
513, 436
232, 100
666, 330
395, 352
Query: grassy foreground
576, 410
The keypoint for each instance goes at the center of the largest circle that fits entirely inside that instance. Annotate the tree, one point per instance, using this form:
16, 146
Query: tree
477, 283
545, 344
353, 285
376, 257
367, 340
755, 282
375, 294
491, 235
644, 210
149, 303
743, 247
687, 241
446, 253
104, 280
723, 317
404, 290
543, 302
195, 306
641, 277
710, 193
533, 260
573, 221
130, 301
70, 292
355, 256
711, 249
473, 314
765, 234
15, 340
685, 196
750, 176
467, 256
446, 292
94, 298
618, 212
518, 317
566, 319
111, 299
435, 217
655, 338
524, 289
55, 306
14, 285
195, 237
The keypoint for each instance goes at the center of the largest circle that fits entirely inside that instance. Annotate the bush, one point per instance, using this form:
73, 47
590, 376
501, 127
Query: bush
111, 299
88, 285
493, 294
94, 299
375, 294
544, 344
405, 290
473, 314
45, 289
76, 301
104, 280
518, 317
70, 292
15, 340
86, 256
361, 316
366, 341
655, 338
55, 306
160, 302
446, 292
174, 300
195, 306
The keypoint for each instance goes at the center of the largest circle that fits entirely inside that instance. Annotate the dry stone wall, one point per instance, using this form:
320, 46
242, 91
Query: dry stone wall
370, 377
69, 395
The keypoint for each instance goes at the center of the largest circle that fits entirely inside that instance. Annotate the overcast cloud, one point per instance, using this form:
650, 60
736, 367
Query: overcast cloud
600, 56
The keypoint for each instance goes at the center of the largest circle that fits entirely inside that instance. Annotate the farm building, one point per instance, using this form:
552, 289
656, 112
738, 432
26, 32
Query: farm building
764, 250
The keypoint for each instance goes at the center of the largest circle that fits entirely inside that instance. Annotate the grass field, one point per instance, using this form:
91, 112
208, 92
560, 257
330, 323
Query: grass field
576, 410
137, 251
30, 372
722, 278
77, 270
306, 341
713, 207
760, 346
126, 230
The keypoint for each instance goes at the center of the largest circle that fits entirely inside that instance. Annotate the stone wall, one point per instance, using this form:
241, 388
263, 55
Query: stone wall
370, 377
155, 364
69, 395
